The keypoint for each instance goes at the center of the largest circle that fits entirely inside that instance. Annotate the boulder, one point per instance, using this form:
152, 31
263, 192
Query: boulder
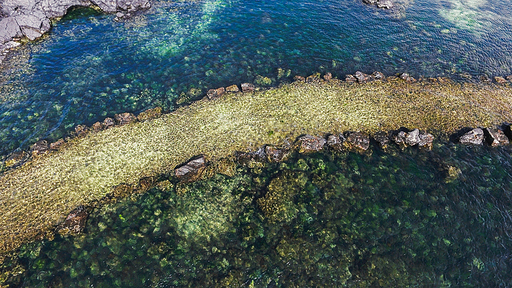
350, 78
39, 148
309, 144
357, 141
474, 137
407, 78
335, 142
57, 144
485, 79
275, 154
386, 4
361, 77
426, 140
253, 156
248, 87
215, 93
9, 29
382, 139
192, 170
495, 137
125, 118
75, 221
149, 114
98, 126
109, 122
500, 80
81, 130
327, 76
232, 89
378, 75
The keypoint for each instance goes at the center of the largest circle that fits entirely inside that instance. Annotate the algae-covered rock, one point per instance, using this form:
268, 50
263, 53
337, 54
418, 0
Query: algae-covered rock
278, 202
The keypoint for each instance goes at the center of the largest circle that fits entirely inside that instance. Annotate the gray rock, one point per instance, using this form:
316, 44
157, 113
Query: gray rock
412, 138
361, 77
426, 140
9, 29
496, 137
275, 154
475, 137
247, 87
386, 4
309, 144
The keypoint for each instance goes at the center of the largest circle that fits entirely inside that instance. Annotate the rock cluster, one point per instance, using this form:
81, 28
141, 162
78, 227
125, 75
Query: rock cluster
492, 136
385, 4
31, 18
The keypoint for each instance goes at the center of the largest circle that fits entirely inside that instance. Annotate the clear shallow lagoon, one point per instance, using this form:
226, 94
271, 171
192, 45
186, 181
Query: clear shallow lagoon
91, 67
399, 218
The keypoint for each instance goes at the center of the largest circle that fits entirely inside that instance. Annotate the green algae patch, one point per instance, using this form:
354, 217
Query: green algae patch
38, 195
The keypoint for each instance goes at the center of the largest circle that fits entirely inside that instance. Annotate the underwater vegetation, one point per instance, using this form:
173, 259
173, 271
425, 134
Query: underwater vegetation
380, 219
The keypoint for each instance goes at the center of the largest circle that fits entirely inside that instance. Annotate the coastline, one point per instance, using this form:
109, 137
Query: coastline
40, 194
20, 20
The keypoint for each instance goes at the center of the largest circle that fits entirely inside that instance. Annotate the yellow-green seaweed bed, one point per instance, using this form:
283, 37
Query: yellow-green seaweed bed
39, 194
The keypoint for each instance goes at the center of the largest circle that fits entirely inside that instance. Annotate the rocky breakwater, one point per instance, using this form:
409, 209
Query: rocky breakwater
128, 157
30, 19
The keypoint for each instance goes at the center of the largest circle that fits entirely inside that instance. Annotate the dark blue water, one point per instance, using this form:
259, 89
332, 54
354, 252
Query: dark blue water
91, 67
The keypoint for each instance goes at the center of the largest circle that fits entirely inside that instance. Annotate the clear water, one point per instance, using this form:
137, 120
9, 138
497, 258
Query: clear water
393, 220
390, 219
91, 67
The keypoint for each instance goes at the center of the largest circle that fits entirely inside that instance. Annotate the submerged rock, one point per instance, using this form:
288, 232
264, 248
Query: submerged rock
309, 144
75, 221
192, 170
357, 141
39, 148
248, 87
495, 137
150, 114
251, 157
475, 137
125, 118
335, 142
275, 154
232, 89
215, 93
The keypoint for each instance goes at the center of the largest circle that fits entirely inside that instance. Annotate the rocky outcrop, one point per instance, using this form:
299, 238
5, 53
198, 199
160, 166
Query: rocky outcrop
31, 18
385, 4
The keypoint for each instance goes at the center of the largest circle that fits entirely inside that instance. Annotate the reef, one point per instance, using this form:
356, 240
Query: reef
38, 195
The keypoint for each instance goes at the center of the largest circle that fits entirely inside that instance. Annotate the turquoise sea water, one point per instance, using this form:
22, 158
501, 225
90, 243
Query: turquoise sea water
393, 219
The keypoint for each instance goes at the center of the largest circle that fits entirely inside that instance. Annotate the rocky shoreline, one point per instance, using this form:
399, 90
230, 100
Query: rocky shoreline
31, 19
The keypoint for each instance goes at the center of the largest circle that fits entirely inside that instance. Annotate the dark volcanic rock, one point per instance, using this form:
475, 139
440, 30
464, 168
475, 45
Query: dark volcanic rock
309, 144
357, 141
475, 137
382, 138
248, 87
39, 148
495, 137
125, 118
275, 154
75, 222
192, 170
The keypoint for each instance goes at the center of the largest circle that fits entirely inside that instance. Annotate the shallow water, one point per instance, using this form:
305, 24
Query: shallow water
395, 219
91, 67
